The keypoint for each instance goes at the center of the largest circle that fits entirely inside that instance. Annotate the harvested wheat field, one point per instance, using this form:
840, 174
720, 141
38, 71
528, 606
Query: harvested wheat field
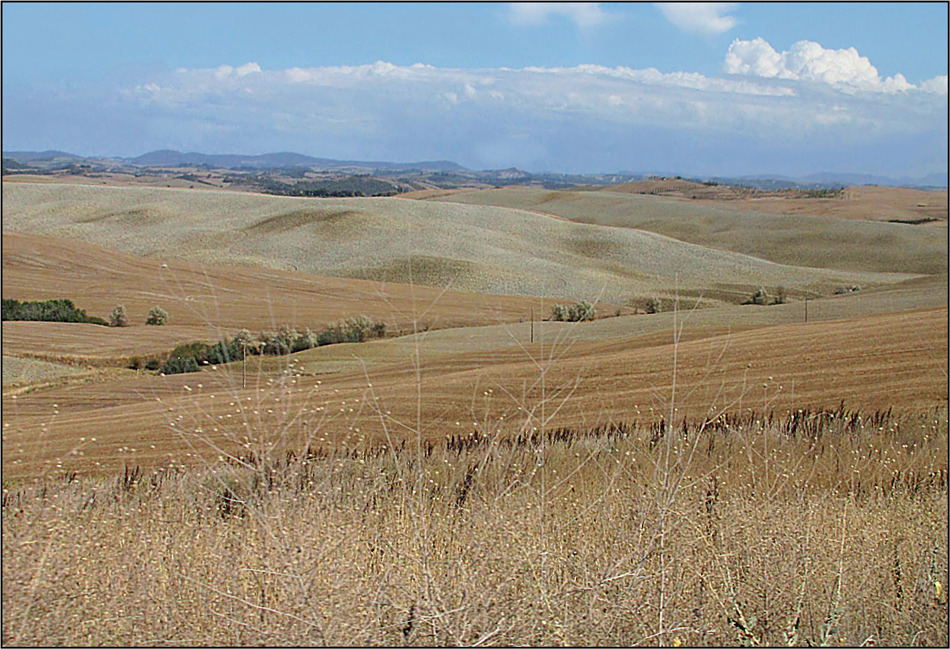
205, 301
711, 473
869, 203
144, 247
796, 238
333, 396
863, 202
465, 247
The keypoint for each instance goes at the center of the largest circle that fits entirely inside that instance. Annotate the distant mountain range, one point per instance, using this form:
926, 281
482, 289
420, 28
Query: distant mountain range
168, 158
14, 161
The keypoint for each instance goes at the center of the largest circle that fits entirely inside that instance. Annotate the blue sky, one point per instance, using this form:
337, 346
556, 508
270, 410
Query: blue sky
716, 89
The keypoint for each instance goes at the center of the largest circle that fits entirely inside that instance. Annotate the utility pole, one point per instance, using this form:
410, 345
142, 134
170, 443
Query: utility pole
806, 308
244, 365
532, 324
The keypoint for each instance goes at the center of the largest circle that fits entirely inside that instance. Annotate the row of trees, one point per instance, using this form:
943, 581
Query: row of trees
286, 340
47, 311
66, 311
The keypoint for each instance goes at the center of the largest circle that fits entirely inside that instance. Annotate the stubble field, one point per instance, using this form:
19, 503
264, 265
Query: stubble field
714, 473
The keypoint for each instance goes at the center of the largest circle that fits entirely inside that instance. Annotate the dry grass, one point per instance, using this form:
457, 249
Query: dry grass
206, 301
598, 486
897, 359
26, 371
829, 527
474, 248
784, 235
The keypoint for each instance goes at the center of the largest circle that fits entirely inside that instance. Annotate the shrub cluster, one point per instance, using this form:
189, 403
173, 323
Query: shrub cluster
157, 316
762, 297
352, 330
841, 290
118, 318
286, 340
577, 312
47, 311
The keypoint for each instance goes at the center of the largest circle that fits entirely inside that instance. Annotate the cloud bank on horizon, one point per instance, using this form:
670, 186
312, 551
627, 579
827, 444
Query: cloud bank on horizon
767, 112
805, 95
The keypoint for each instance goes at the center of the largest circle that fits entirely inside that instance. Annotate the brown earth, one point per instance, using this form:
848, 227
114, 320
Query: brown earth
866, 202
204, 301
872, 363
875, 349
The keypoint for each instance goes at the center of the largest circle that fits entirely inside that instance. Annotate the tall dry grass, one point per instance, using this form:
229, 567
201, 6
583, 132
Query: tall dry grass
825, 527
822, 528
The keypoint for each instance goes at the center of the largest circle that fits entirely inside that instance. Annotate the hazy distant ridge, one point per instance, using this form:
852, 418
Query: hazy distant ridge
171, 158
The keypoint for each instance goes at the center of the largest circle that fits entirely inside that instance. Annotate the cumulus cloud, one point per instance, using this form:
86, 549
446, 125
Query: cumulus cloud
700, 17
809, 61
580, 118
585, 15
768, 94
937, 85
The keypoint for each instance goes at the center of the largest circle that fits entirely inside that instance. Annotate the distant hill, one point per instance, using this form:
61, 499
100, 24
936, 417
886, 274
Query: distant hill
169, 158
46, 157
820, 180
931, 180
37, 156
830, 179
288, 160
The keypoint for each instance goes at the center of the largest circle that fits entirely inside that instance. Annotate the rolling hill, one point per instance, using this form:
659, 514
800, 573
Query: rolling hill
797, 239
472, 248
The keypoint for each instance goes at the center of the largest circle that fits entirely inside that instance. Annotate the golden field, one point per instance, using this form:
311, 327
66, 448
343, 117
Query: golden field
716, 473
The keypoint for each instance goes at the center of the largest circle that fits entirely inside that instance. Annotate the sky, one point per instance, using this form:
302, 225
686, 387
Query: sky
707, 89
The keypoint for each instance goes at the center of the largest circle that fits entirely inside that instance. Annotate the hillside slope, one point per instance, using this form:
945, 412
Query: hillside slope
870, 363
798, 239
466, 247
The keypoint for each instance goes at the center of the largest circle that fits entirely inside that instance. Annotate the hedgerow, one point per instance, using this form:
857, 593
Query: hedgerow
47, 311
286, 340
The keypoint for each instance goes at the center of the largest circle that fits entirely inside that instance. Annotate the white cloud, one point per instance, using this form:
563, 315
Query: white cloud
585, 15
771, 93
225, 71
937, 85
247, 68
699, 17
809, 61
753, 58
771, 98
